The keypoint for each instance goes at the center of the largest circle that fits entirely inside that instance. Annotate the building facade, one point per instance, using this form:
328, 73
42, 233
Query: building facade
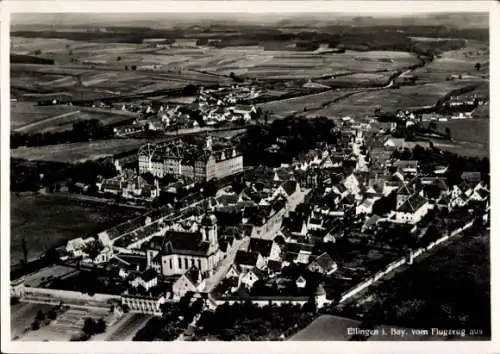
176, 252
182, 160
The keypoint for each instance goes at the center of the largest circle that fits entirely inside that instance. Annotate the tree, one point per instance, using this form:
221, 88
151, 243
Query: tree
119, 58
40, 316
477, 66
25, 250
94, 248
432, 126
448, 133
100, 326
89, 326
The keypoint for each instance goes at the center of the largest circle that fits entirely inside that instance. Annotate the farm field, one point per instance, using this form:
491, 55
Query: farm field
78, 152
444, 290
327, 328
44, 275
66, 325
23, 113
390, 100
38, 219
283, 108
458, 62
251, 61
22, 315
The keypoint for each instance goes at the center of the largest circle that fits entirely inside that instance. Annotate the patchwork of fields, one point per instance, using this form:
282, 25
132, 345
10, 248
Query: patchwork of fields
407, 97
32, 118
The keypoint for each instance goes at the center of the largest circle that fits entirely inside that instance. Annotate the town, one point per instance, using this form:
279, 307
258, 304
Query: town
248, 208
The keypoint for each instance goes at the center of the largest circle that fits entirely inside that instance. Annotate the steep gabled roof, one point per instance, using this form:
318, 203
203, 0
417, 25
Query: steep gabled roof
246, 258
261, 246
324, 261
412, 204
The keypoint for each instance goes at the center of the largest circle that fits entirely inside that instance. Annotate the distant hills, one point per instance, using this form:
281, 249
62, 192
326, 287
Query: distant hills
169, 20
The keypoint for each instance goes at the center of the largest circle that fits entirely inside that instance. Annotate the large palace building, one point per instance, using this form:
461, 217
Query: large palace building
200, 163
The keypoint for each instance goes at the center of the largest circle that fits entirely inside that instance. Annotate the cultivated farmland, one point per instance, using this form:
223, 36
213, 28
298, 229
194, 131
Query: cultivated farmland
283, 108
363, 104
78, 152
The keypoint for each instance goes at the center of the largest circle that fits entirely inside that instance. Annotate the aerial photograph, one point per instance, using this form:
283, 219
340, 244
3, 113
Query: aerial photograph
249, 177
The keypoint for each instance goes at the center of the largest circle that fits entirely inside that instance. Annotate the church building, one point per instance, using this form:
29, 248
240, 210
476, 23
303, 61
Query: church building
176, 252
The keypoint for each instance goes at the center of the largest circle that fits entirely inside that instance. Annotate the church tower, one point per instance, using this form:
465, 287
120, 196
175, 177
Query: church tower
208, 230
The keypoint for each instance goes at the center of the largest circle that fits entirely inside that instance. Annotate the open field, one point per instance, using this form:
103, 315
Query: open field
23, 113
66, 325
78, 152
251, 61
44, 275
46, 221
283, 108
22, 315
448, 290
458, 62
327, 328
390, 100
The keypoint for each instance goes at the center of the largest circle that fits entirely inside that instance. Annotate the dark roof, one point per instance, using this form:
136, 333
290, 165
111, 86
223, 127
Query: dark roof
324, 261
412, 204
275, 266
483, 193
149, 274
246, 258
260, 246
193, 274
471, 176
179, 242
290, 187
293, 247
228, 199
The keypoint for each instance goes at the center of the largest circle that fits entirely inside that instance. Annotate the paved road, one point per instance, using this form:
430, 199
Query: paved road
225, 264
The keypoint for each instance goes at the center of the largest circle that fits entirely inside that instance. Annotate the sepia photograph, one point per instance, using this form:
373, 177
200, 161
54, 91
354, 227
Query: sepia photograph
248, 176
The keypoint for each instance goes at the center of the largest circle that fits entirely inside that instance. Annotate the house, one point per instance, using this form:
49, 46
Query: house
291, 191
233, 272
260, 246
366, 207
480, 195
323, 264
300, 282
370, 223
249, 278
471, 176
148, 279
274, 267
191, 281
411, 211
394, 143
352, 184
406, 166
249, 260
76, 247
